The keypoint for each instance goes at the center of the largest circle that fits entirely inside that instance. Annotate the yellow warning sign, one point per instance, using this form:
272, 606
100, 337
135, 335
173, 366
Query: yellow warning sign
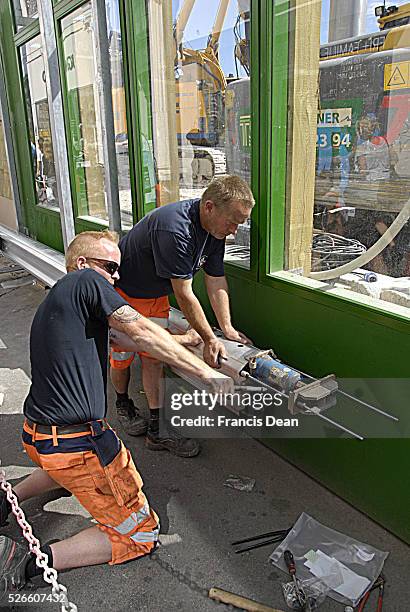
397, 76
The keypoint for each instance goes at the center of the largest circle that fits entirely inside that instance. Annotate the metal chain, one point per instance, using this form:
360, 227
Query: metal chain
181, 576
185, 579
49, 574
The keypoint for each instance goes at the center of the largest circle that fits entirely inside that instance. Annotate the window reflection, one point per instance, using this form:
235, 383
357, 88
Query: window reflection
79, 44
200, 91
25, 12
119, 110
362, 174
41, 144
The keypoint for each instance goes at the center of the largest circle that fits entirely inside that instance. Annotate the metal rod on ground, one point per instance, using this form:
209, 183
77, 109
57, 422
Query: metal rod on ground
265, 542
268, 534
258, 545
386, 414
239, 602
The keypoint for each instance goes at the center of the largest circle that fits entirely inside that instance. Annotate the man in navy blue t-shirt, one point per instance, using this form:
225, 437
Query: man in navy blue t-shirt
65, 430
160, 255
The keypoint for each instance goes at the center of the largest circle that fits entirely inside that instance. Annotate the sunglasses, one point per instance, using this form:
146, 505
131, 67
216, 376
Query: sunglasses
109, 266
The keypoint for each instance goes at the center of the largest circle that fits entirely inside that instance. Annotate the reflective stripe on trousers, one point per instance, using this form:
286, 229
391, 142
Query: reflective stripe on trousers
132, 521
146, 536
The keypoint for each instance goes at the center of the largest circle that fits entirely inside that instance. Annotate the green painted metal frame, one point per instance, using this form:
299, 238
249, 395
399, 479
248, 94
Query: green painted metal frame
15, 101
138, 53
126, 38
135, 53
26, 33
61, 10
64, 9
40, 222
276, 115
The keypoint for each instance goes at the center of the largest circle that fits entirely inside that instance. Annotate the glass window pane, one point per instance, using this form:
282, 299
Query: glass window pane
119, 110
357, 211
40, 139
25, 12
79, 44
200, 92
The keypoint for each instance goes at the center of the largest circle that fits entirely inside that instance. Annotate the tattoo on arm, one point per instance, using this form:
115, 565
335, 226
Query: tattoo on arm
126, 314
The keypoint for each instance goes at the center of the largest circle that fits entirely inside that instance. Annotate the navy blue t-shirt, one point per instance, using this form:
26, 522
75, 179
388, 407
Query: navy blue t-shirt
167, 243
69, 350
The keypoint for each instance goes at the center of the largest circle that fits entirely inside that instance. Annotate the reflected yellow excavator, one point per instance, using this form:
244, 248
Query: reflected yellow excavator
200, 98
394, 33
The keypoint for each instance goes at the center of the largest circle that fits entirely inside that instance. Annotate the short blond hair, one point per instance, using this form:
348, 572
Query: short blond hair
84, 245
224, 190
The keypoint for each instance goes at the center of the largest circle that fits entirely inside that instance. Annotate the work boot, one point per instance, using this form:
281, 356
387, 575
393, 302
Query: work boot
173, 442
13, 561
132, 423
5, 508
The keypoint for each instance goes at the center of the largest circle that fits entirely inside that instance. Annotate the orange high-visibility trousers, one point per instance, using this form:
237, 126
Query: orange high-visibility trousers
155, 309
112, 494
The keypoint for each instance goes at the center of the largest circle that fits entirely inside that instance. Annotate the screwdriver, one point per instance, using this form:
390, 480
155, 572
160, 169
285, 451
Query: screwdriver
290, 564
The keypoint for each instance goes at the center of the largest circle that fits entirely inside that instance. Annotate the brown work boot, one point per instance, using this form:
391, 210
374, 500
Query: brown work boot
172, 442
128, 415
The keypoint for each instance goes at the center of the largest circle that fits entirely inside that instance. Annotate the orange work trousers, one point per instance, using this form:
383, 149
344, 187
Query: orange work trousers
111, 494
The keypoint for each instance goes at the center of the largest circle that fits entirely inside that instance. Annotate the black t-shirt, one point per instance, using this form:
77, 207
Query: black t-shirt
167, 243
69, 350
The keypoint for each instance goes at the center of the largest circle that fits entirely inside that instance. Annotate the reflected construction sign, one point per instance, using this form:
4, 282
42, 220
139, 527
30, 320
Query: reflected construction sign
397, 76
352, 46
245, 131
334, 117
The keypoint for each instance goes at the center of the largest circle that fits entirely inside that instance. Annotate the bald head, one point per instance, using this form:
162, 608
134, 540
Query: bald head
90, 244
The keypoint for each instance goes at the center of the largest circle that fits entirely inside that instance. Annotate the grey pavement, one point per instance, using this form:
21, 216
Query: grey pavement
199, 515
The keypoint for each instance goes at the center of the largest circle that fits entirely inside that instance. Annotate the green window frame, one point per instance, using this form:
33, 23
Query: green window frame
43, 224
62, 9
273, 179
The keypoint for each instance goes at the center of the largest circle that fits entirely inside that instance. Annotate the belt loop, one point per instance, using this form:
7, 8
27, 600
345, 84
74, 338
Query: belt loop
33, 435
54, 432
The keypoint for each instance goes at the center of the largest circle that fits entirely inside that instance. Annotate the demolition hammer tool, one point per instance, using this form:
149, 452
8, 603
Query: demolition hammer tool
356, 399
239, 602
290, 564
